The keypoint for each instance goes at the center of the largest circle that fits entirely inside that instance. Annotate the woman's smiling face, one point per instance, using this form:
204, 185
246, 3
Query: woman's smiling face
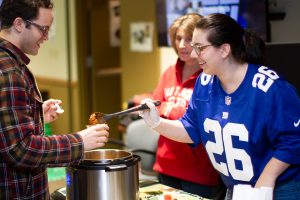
204, 52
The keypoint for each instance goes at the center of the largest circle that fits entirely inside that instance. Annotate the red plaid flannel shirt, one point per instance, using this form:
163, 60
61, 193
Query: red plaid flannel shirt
25, 152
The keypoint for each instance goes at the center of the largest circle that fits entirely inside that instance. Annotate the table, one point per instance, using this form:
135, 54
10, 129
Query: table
149, 190
156, 191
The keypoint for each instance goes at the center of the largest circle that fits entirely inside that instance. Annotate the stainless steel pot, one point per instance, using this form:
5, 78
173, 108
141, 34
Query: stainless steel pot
105, 174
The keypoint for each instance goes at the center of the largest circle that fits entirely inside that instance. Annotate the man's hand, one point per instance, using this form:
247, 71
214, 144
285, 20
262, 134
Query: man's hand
51, 110
94, 136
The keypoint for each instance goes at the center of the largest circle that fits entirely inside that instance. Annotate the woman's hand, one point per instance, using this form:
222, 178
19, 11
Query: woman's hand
94, 136
265, 181
151, 116
51, 110
272, 170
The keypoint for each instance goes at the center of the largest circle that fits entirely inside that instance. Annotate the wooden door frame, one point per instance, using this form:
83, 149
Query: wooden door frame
83, 52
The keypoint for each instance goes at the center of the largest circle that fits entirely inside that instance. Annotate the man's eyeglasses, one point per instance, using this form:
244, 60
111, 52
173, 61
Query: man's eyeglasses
43, 29
199, 48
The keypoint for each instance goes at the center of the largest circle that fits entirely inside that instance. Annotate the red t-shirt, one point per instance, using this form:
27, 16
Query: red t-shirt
177, 159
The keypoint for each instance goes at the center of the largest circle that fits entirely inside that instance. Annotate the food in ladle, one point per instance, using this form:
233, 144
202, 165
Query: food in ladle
95, 118
100, 118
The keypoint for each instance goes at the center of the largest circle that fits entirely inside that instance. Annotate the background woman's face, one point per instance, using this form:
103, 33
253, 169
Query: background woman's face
183, 47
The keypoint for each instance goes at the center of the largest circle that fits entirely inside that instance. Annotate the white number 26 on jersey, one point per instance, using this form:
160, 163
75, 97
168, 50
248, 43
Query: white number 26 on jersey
264, 79
232, 154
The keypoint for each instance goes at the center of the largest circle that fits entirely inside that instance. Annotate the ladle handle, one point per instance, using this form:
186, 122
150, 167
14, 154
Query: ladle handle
136, 108
144, 106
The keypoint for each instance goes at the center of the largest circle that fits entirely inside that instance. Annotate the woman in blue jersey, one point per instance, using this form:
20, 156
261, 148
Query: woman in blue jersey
244, 113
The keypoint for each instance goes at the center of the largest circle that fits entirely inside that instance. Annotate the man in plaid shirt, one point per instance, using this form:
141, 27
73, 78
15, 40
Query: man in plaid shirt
25, 152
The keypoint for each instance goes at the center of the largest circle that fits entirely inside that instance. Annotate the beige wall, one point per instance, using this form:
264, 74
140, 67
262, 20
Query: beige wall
59, 90
140, 71
288, 29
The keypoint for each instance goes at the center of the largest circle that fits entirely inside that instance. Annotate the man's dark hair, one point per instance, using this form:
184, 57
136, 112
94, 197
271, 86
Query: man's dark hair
25, 9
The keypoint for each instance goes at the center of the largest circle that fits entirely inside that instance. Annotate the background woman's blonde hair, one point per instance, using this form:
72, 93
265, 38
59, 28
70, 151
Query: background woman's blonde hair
187, 23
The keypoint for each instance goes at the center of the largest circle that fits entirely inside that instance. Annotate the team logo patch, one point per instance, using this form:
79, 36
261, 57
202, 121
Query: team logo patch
227, 100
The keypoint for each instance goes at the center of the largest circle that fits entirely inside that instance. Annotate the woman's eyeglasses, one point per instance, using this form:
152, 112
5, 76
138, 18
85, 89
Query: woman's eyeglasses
199, 48
43, 29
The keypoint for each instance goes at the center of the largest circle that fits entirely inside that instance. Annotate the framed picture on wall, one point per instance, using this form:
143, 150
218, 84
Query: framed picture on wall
141, 36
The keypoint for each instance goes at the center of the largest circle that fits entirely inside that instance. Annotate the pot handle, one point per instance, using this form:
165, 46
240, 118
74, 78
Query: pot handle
112, 168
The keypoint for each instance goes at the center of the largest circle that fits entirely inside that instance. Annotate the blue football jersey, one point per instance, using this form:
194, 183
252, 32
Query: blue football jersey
243, 130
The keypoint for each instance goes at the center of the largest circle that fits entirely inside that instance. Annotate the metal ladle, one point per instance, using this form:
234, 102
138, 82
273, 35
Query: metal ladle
100, 118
